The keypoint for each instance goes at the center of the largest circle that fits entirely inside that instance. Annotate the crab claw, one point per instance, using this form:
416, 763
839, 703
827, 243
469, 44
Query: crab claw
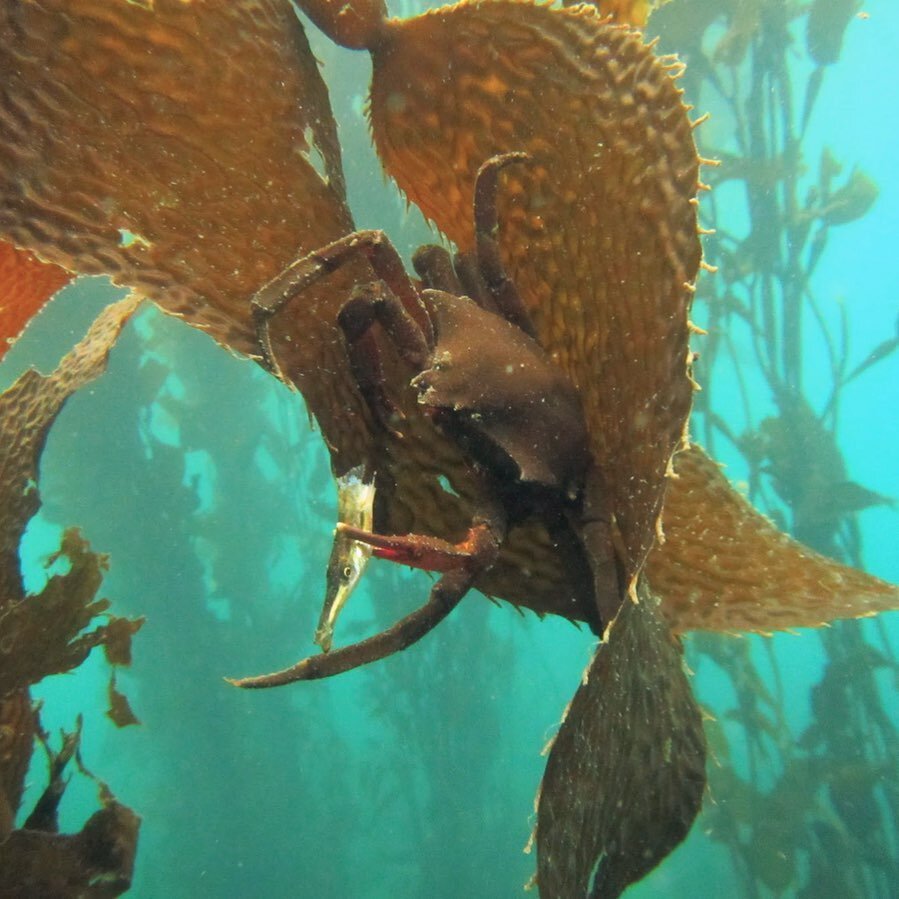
429, 553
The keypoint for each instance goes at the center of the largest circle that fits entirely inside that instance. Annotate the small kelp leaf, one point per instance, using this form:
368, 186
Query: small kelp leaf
843, 498
626, 773
45, 634
725, 567
852, 201
45, 814
117, 644
765, 173
805, 464
26, 284
119, 711
598, 230
826, 27
883, 350
743, 22
96, 862
189, 151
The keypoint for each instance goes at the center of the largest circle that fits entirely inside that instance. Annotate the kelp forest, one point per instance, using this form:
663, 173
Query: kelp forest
804, 809
181, 507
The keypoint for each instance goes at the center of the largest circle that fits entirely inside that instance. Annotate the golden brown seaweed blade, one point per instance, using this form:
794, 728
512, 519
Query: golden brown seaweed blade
626, 773
599, 231
600, 235
725, 567
188, 150
197, 188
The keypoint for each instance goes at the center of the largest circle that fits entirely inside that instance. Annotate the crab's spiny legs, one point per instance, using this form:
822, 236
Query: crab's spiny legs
435, 268
445, 596
371, 303
473, 284
500, 285
384, 260
478, 553
418, 551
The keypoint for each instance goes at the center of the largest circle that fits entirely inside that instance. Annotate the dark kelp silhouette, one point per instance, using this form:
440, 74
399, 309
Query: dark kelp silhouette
46, 634
198, 197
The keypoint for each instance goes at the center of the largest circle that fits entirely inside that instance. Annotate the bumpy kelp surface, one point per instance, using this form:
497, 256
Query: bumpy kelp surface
188, 150
47, 634
194, 157
725, 567
599, 229
26, 284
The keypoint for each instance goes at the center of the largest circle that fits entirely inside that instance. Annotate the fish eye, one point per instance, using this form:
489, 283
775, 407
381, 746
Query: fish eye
347, 572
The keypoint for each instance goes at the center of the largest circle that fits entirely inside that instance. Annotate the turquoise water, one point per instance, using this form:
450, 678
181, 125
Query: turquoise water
204, 482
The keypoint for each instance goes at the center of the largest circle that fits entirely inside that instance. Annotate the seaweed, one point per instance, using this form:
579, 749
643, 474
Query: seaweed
51, 633
209, 752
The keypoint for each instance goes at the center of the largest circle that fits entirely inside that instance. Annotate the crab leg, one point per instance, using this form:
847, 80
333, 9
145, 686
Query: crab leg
434, 267
384, 260
505, 293
368, 304
461, 568
445, 596
416, 551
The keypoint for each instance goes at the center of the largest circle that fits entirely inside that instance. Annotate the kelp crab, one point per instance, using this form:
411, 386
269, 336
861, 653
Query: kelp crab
604, 248
486, 383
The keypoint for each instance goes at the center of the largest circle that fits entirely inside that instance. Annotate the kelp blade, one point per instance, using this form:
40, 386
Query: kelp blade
50, 633
725, 567
626, 773
188, 150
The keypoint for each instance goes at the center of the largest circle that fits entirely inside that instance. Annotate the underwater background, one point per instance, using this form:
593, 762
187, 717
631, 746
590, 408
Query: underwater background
203, 480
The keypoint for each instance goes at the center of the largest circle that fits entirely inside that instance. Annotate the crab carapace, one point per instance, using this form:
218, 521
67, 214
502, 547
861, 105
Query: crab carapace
485, 382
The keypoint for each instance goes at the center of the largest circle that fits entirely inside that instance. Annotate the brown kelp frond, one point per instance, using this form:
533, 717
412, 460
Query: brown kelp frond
726, 567
221, 166
26, 284
45, 634
626, 773
49, 633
